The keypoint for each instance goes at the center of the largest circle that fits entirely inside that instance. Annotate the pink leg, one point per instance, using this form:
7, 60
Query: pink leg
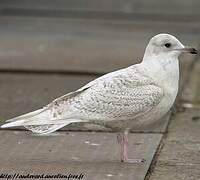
123, 141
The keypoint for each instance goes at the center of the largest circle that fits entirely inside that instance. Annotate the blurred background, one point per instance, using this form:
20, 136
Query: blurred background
51, 47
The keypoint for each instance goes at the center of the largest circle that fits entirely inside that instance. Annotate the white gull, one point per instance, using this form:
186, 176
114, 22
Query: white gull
124, 99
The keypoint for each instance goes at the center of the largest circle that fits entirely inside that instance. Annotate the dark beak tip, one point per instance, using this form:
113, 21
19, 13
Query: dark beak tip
193, 51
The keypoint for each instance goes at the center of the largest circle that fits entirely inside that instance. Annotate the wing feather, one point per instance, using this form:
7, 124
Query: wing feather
121, 94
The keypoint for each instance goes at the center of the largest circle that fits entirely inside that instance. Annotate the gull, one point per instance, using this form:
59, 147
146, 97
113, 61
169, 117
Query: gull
138, 95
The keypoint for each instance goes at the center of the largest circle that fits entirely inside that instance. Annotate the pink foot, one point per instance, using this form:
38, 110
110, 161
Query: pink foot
134, 161
123, 141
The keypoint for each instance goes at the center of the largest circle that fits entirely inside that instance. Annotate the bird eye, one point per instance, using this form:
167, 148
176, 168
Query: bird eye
167, 45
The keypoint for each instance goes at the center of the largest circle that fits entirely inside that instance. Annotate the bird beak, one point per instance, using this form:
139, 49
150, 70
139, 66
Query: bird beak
189, 50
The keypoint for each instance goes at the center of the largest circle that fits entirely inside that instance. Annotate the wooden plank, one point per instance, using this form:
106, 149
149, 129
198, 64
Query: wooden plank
175, 7
80, 45
95, 155
179, 156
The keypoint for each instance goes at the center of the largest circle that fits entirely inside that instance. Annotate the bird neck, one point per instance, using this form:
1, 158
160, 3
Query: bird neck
162, 68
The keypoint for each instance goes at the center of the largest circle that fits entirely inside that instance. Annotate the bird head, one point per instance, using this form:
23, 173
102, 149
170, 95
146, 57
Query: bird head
166, 45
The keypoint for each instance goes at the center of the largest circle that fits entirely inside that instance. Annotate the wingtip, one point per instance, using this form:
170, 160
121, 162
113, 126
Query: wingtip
6, 125
3, 126
11, 124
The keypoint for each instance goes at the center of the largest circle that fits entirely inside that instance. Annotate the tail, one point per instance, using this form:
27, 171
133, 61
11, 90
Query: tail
45, 129
39, 121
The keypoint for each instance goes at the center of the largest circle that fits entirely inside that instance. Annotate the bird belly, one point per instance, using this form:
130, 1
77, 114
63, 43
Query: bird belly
148, 118
155, 115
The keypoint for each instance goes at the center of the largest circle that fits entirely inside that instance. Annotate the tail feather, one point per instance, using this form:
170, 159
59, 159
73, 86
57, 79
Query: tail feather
45, 129
40, 116
36, 121
40, 121
26, 116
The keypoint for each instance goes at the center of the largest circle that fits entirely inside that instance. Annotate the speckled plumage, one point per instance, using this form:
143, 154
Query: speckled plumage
119, 95
136, 95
